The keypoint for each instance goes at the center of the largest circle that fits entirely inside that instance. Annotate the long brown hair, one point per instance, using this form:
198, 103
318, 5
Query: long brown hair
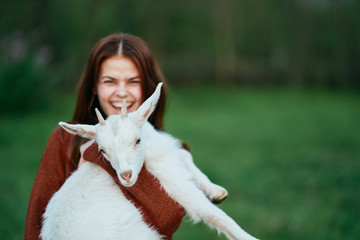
137, 51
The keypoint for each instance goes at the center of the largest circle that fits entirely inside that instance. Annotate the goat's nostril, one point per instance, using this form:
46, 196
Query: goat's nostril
126, 175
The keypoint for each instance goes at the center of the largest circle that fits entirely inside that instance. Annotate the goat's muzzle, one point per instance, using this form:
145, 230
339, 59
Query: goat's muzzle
126, 175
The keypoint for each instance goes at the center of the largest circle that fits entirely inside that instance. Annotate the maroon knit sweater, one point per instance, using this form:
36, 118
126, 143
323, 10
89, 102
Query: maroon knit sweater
158, 209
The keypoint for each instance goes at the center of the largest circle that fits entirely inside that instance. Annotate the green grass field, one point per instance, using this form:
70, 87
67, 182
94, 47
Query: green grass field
289, 158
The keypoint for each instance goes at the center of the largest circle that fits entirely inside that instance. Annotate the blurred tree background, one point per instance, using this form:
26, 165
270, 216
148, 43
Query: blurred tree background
287, 42
288, 72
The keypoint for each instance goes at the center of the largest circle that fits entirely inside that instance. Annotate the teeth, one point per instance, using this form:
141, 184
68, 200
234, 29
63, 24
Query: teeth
118, 105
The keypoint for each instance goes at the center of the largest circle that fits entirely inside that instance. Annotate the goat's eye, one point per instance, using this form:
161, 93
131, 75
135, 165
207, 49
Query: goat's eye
102, 151
138, 141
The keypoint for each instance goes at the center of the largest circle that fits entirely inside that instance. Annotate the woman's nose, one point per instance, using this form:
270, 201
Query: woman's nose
121, 90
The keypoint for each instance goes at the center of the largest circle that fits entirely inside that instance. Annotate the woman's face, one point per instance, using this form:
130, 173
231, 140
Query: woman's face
119, 80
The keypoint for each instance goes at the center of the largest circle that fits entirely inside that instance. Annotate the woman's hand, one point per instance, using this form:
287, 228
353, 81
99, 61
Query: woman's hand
82, 150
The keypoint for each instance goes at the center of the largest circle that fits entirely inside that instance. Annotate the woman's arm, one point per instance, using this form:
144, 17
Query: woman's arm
54, 169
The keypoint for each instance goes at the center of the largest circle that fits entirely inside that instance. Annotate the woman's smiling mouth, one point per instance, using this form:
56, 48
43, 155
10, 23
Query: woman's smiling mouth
117, 106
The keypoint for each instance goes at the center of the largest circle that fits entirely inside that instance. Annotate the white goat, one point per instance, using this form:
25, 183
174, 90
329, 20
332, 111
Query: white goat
90, 206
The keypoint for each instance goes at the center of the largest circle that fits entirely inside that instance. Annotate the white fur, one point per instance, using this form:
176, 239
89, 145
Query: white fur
91, 198
90, 205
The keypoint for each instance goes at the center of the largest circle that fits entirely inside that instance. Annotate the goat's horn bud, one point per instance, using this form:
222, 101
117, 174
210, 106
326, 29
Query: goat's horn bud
124, 112
100, 117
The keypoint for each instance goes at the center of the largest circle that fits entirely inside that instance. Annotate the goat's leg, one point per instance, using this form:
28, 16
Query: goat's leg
213, 191
200, 208
215, 217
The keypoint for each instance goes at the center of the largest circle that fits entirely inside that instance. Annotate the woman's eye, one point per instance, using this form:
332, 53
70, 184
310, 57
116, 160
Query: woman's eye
107, 80
134, 80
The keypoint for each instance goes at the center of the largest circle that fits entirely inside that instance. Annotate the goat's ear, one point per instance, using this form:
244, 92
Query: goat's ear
83, 130
146, 109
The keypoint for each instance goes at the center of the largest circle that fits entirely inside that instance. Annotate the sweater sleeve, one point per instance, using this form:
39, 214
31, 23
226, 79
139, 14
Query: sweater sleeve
54, 169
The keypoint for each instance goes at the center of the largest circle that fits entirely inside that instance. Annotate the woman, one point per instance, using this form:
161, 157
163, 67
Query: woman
121, 66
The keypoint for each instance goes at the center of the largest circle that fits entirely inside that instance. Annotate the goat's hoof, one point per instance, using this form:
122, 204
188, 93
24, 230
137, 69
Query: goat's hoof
220, 196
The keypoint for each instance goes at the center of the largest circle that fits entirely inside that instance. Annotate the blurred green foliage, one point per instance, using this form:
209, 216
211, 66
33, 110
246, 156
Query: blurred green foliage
292, 42
24, 86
